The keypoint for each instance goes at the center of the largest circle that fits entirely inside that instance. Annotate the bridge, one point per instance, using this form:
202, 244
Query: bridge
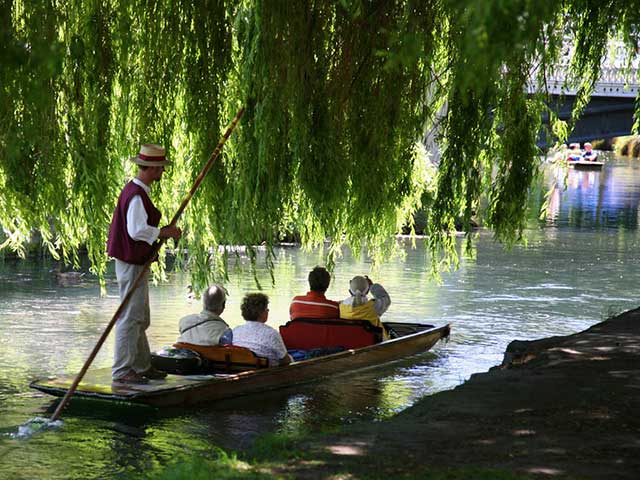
610, 112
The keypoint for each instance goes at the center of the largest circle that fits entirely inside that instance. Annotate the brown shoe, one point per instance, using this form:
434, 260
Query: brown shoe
131, 377
154, 374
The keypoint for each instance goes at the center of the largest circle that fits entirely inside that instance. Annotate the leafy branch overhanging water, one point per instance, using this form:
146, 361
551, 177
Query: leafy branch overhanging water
338, 96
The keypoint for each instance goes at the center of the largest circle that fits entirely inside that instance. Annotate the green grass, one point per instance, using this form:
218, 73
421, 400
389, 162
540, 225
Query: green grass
224, 467
280, 456
230, 468
276, 447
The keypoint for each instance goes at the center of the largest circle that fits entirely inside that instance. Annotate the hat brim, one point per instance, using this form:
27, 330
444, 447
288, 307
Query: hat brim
146, 163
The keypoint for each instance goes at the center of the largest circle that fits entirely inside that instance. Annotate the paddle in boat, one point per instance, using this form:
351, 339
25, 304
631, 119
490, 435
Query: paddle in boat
204, 374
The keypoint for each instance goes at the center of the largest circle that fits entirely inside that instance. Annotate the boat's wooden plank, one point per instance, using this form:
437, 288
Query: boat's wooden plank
98, 381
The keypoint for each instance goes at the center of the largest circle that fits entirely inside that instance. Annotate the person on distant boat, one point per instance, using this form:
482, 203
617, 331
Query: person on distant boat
314, 304
589, 154
206, 327
133, 231
255, 335
359, 307
574, 154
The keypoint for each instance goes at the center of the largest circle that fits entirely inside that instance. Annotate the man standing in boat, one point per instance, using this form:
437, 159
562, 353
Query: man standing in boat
314, 304
133, 230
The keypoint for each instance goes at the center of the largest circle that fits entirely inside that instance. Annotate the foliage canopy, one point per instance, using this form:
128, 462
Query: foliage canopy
339, 94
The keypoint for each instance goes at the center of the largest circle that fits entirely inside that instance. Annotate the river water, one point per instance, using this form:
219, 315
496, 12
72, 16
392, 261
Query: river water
578, 268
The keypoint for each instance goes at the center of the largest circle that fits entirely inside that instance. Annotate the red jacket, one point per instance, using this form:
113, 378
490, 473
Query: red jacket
313, 305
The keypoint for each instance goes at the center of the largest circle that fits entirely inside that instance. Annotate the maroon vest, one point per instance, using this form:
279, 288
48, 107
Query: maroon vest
119, 244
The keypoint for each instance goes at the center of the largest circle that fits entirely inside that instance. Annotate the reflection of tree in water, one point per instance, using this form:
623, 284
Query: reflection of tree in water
372, 394
366, 395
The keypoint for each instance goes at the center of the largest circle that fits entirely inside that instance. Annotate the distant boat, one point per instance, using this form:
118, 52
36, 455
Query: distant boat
576, 154
586, 165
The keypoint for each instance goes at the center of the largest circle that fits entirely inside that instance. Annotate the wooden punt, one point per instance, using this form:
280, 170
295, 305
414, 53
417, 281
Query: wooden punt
586, 165
191, 389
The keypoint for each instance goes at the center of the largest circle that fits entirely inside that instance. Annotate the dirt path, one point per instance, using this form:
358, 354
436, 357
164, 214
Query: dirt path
563, 407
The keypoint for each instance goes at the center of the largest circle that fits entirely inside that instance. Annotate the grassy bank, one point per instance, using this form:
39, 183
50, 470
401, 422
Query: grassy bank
278, 456
230, 468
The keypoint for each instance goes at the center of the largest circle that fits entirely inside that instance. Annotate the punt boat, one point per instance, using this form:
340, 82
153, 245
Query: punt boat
587, 165
174, 390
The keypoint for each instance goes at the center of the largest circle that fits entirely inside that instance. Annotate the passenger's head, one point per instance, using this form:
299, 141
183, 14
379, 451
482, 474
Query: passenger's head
588, 147
319, 279
253, 306
214, 299
358, 288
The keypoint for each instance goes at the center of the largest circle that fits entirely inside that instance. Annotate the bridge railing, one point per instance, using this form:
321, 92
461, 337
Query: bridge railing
616, 80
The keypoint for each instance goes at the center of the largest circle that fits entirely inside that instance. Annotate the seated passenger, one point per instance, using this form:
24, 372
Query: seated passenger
206, 327
574, 153
314, 304
261, 339
359, 307
588, 154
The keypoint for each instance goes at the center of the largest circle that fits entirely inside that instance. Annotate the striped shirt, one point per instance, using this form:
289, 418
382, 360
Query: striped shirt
313, 305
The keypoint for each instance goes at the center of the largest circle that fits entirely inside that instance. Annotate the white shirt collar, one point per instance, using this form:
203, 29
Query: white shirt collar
144, 186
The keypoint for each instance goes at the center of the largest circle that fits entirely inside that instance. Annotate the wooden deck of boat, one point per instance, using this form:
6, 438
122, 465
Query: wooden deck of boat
179, 389
97, 384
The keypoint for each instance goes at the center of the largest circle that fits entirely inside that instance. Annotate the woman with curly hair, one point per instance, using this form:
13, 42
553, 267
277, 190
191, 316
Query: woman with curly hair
255, 335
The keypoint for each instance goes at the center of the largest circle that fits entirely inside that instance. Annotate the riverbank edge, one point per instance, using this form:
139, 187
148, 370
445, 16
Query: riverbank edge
558, 407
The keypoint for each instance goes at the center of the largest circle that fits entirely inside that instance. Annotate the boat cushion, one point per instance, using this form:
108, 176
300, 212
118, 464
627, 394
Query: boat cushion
308, 333
228, 358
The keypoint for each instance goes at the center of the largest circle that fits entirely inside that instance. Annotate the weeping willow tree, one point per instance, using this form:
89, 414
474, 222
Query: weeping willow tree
338, 96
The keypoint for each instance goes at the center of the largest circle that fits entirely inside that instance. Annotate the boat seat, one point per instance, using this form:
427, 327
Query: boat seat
227, 358
308, 333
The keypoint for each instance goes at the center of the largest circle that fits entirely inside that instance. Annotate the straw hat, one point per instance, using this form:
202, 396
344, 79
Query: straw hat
151, 155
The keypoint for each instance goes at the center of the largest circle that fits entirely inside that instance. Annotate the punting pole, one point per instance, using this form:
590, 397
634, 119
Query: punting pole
154, 252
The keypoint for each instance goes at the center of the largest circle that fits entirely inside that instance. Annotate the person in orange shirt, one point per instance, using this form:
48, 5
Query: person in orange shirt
314, 304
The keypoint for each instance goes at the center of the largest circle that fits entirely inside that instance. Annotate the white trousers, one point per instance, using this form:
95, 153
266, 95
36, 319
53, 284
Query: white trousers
132, 348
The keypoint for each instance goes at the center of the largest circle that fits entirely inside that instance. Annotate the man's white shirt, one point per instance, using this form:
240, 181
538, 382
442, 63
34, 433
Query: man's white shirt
137, 226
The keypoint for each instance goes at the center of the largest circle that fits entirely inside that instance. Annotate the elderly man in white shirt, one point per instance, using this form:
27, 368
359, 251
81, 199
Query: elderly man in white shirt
134, 229
206, 327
